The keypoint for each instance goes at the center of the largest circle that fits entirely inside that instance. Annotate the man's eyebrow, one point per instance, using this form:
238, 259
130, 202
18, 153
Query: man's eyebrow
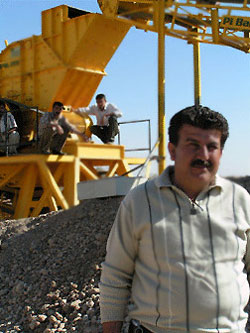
191, 139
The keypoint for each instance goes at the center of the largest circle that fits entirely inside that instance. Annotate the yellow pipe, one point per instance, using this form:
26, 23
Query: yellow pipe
197, 74
161, 85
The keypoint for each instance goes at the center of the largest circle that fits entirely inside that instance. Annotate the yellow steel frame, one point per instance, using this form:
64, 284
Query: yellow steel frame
58, 176
70, 52
189, 20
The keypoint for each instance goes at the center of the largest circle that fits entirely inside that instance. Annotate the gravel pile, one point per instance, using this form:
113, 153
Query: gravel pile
50, 269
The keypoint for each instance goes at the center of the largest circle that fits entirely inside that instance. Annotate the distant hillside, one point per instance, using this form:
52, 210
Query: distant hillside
243, 181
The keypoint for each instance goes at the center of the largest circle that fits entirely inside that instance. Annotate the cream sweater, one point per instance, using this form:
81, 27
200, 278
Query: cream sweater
182, 263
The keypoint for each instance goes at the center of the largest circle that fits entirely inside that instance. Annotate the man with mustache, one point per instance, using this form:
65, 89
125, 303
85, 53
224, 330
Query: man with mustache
54, 129
178, 251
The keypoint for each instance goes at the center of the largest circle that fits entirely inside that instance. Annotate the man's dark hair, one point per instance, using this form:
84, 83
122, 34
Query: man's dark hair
100, 96
198, 116
57, 104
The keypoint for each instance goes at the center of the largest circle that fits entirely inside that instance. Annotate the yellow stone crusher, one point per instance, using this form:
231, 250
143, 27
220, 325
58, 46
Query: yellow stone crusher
67, 62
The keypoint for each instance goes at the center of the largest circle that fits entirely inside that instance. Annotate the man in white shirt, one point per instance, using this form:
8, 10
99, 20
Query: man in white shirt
9, 137
106, 114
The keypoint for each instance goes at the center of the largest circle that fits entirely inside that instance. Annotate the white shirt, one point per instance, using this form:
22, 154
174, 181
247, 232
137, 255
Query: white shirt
101, 120
10, 122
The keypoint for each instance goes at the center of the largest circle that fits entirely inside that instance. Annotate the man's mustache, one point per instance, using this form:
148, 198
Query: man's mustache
199, 162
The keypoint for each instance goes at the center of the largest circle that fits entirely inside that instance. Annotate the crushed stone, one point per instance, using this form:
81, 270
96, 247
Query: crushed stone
50, 269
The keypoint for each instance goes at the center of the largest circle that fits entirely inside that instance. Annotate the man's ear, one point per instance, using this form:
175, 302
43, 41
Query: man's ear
171, 149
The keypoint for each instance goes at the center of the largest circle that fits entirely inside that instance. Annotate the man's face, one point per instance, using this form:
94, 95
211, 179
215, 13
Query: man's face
101, 103
57, 110
197, 157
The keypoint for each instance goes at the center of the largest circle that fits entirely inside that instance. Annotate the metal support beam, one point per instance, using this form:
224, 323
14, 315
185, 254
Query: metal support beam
71, 179
112, 169
56, 192
215, 26
197, 74
38, 180
161, 85
89, 174
47, 193
26, 192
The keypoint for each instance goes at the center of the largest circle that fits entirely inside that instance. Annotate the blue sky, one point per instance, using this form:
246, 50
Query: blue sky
131, 83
